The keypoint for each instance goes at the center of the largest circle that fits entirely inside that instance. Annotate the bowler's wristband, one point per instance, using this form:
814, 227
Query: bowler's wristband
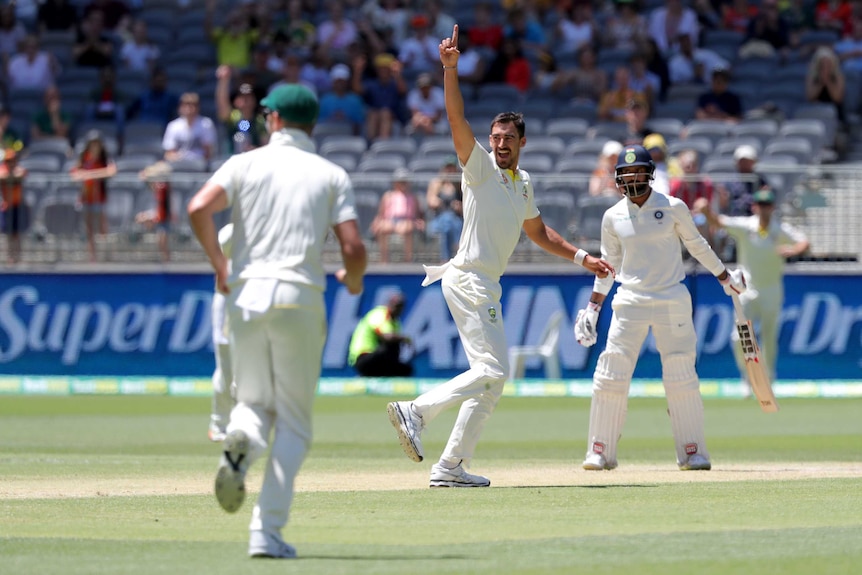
580, 256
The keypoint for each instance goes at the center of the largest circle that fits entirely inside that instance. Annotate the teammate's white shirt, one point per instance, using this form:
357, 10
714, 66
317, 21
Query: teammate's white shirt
643, 244
306, 193
505, 199
758, 253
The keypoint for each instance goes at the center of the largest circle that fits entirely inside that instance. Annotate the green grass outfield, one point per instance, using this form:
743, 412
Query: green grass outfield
122, 485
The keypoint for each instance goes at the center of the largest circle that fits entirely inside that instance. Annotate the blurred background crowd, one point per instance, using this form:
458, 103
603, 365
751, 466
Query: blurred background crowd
113, 112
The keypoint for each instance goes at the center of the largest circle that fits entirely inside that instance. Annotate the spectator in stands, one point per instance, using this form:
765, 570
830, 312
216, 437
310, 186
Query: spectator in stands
57, 16
418, 52
641, 80
139, 53
625, 28
614, 102
586, 82
767, 34
575, 28
258, 73
316, 70
156, 103
799, 16
484, 33
300, 31
690, 186
399, 213
666, 23
440, 23
292, 73
93, 46
244, 125
387, 15
341, 105
53, 120
278, 49
510, 66
384, 94
157, 177
12, 32
115, 12
719, 103
690, 65
825, 83
708, 16
657, 148
835, 15
471, 64
191, 136
603, 179
737, 14
849, 49
336, 33
636, 116
657, 64
9, 138
443, 199
14, 210
32, 68
735, 196
233, 42
427, 107
106, 101
93, 169
524, 27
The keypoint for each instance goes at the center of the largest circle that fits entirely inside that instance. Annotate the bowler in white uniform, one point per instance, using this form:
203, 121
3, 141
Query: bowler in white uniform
284, 199
498, 203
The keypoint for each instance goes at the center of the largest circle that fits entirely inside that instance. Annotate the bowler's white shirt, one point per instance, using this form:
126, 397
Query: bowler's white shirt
758, 252
496, 203
285, 199
643, 244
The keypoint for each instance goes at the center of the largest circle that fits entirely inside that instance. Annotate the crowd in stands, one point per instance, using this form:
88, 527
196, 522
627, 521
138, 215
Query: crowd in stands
178, 83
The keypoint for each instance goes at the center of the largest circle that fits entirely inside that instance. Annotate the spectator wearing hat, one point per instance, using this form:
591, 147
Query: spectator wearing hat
399, 213
419, 51
191, 136
719, 102
342, 105
93, 169
376, 344
603, 179
657, 148
427, 107
53, 120
384, 94
15, 212
736, 195
443, 199
244, 125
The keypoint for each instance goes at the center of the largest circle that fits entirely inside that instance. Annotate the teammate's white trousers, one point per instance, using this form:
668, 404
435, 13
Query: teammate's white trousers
474, 303
277, 361
669, 314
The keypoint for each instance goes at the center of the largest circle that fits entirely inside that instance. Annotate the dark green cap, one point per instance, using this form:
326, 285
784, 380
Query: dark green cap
764, 196
294, 103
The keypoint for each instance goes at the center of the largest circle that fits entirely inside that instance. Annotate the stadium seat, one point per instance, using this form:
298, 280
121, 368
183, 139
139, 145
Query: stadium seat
551, 145
799, 148
567, 128
712, 129
727, 146
702, 145
535, 163
670, 128
345, 160
45, 163
355, 145
381, 164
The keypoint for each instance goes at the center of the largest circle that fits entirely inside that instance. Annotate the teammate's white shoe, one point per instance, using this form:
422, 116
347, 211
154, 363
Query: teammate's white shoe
230, 478
596, 462
696, 462
216, 432
269, 546
458, 477
408, 424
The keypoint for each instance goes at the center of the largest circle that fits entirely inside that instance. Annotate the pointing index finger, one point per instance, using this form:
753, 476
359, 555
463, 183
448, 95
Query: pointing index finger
455, 35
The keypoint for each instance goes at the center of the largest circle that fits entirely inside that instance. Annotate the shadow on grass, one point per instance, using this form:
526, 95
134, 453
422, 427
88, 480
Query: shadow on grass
611, 486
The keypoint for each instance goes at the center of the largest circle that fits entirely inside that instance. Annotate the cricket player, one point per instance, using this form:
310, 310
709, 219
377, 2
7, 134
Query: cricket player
224, 390
763, 242
641, 237
498, 202
284, 199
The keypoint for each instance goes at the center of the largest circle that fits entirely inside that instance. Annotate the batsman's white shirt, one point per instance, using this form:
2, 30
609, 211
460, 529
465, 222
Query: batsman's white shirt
757, 249
643, 245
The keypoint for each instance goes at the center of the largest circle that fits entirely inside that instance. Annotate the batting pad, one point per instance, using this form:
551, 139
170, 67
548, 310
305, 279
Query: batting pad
608, 407
685, 406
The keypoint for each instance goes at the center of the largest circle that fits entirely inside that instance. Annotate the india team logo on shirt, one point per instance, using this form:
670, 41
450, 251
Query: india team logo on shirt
492, 314
659, 214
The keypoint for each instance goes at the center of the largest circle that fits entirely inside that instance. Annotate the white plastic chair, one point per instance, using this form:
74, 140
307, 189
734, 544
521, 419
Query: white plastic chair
548, 349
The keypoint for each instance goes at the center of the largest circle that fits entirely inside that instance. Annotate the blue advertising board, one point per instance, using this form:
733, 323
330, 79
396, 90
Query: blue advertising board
159, 325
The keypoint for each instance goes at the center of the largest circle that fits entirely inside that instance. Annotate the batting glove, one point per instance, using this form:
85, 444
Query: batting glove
734, 283
586, 325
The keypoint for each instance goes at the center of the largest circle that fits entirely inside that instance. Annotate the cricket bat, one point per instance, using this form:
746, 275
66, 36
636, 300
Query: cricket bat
758, 376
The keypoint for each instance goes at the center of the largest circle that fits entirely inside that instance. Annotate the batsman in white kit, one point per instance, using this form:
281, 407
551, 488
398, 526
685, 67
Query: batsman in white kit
641, 237
498, 203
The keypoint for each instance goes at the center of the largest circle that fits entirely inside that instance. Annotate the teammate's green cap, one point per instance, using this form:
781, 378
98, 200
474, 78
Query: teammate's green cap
764, 196
294, 103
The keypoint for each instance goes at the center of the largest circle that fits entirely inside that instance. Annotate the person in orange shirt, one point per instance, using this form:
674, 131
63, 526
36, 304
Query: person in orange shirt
160, 216
13, 208
93, 169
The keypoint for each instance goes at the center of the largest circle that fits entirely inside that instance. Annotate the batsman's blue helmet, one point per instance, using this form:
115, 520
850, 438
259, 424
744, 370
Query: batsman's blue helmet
631, 184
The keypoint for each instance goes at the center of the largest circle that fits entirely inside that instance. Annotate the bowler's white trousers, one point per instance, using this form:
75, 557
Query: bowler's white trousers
276, 359
474, 302
669, 314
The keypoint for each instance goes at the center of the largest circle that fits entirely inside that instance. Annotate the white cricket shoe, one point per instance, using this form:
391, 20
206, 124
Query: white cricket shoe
696, 462
230, 478
596, 462
458, 477
269, 546
216, 432
408, 424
